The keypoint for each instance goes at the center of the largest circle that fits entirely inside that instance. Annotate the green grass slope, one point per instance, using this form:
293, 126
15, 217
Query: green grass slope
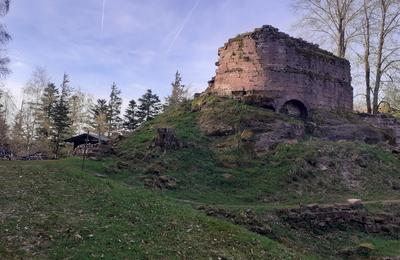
223, 169
55, 210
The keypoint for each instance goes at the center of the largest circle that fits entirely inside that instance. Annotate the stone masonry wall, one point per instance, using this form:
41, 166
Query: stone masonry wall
272, 64
385, 121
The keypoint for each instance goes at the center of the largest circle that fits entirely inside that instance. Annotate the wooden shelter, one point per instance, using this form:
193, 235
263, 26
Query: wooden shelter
87, 139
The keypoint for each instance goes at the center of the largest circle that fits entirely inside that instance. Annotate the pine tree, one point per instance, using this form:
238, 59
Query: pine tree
131, 118
47, 111
149, 107
61, 115
99, 117
114, 110
179, 91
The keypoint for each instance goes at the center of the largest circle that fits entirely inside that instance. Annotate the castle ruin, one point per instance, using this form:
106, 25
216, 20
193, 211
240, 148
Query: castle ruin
282, 73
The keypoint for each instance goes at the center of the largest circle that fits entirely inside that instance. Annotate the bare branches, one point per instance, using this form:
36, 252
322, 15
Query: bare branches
4, 38
387, 47
330, 19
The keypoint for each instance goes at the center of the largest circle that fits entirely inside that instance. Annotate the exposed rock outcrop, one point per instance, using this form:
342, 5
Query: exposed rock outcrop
333, 126
246, 218
319, 219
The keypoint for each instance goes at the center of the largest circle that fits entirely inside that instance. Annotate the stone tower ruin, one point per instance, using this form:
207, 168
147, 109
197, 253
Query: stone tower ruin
284, 73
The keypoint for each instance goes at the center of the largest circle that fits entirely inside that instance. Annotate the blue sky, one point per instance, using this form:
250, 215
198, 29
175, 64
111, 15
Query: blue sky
140, 45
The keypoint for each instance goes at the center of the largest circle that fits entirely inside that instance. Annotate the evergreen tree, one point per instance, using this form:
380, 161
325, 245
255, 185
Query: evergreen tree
179, 91
114, 110
99, 117
47, 111
61, 115
131, 116
149, 107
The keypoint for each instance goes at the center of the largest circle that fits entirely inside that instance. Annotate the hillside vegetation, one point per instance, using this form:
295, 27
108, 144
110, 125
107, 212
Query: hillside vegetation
54, 210
218, 194
243, 163
221, 163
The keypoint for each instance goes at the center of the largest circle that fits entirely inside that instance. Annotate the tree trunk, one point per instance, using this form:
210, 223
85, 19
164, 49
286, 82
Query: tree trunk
368, 83
341, 41
367, 53
378, 79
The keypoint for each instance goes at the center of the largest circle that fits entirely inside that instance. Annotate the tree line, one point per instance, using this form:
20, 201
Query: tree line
49, 114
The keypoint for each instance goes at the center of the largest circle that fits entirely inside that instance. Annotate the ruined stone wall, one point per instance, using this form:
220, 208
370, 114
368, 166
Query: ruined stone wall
270, 63
341, 217
384, 121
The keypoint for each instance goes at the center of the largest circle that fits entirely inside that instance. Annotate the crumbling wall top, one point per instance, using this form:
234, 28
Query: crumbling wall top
272, 33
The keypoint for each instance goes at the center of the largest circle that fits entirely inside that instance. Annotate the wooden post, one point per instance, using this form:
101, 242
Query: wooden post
84, 151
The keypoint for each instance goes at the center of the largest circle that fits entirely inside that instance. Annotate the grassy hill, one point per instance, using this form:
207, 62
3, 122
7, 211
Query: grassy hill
223, 168
152, 203
54, 210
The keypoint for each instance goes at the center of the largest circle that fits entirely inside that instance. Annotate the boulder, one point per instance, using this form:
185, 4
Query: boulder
281, 133
215, 128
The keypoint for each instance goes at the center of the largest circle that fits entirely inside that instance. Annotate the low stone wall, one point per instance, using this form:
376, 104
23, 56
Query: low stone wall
384, 121
341, 217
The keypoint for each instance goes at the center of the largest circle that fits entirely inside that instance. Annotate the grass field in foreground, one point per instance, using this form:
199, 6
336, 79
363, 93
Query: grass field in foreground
54, 210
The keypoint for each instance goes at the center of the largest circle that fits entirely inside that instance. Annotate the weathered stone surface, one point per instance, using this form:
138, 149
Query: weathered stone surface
328, 125
350, 216
364, 249
270, 68
213, 127
159, 182
247, 135
387, 122
352, 132
281, 132
246, 218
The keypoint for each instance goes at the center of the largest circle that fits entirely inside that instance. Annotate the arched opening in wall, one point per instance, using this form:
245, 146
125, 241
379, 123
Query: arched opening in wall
294, 108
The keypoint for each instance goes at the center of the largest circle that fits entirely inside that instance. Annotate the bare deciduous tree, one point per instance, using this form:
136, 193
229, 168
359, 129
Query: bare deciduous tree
331, 19
367, 25
80, 105
4, 38
28, 115
3, 126
387, 47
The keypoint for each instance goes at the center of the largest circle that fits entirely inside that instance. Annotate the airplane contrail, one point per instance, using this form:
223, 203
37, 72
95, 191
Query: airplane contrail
178, 33
102, 16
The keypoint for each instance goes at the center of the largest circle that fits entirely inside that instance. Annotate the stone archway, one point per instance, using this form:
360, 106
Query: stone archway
294, 108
